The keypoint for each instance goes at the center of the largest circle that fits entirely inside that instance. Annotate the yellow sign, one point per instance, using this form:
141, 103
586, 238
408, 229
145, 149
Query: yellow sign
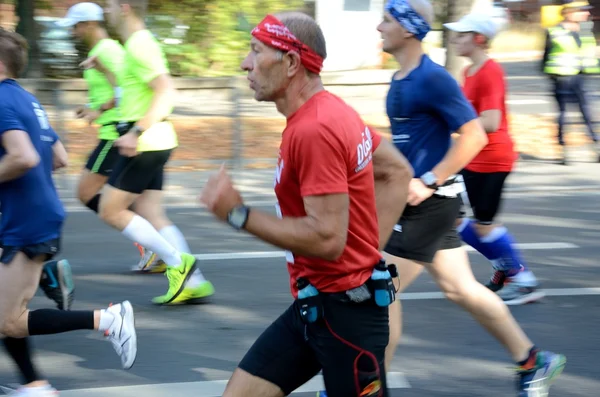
551, 16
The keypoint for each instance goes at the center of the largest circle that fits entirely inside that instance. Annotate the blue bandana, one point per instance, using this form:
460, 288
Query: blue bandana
408, 18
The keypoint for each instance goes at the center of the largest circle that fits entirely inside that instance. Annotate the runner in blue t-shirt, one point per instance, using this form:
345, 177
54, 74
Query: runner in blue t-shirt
425, 106
30, 228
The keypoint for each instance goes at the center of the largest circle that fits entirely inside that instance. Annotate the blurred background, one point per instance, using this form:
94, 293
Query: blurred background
216, 116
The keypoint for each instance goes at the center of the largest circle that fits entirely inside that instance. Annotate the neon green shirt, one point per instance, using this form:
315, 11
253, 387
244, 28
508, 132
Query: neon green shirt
144, 61
100, 91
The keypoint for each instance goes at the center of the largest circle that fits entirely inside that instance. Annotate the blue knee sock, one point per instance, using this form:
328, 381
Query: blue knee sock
469, 235
500, 243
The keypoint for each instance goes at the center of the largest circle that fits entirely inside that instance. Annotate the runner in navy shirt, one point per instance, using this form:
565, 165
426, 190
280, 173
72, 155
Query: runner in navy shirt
425, 106
30, 228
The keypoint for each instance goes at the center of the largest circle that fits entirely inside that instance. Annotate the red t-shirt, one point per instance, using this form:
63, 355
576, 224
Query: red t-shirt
487, 91
327, 149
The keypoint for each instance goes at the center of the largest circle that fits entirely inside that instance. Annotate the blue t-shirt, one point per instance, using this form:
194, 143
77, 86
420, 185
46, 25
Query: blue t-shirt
31, 211
424, 109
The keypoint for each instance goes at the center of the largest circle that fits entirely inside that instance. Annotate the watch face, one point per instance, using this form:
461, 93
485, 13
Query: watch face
237, 217
428, 178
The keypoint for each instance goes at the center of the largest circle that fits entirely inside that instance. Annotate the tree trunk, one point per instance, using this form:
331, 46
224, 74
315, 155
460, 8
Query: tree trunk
25, 10
455, 10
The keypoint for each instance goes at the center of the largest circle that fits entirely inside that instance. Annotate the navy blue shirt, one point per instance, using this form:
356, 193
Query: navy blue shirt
424, 109
32, 213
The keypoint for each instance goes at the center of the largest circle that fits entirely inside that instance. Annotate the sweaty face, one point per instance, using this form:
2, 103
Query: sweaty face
464, 43
392, 33
266, 72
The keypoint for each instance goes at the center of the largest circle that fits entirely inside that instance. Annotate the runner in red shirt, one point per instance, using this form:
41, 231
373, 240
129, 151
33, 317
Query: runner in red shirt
484, 177
325, 182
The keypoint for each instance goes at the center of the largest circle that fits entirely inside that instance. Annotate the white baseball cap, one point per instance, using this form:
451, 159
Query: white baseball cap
82, 12
477, 23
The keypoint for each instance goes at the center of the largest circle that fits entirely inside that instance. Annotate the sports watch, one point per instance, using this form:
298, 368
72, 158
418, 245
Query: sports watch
430, 180
137, 130
238, 217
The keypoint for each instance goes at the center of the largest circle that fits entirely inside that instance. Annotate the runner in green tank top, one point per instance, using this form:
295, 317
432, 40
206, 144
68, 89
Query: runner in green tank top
146, 140
86, 21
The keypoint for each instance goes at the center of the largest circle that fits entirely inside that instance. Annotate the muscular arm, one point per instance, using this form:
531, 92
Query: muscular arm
20, 156
162, 101
392, 174
321, 233
470, 142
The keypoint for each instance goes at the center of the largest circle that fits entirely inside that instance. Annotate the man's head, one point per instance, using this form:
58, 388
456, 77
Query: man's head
474, 31
576, 11
13, 54
120, 12
83, 18
284, 48
405, 21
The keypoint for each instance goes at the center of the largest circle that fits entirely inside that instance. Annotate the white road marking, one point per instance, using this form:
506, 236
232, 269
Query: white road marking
527, 102
281, 254
214, 388
421, 296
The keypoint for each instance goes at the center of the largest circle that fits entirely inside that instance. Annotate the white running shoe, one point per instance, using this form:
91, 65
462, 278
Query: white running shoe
43, 391
121, 333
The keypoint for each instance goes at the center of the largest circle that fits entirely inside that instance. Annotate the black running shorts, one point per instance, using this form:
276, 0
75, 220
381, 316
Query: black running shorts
48, 248
142, 172
484, 192
103, 158
348, 345
425, 229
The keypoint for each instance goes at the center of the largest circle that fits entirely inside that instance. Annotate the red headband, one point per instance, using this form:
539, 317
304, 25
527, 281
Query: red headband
275, 34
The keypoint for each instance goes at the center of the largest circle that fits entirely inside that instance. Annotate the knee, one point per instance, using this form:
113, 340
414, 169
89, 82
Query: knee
83, 194
108, 212
9, 327
459, 292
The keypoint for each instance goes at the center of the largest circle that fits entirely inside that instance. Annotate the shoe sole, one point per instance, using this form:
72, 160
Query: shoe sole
130, 318
65, 280
181, 288
525, 299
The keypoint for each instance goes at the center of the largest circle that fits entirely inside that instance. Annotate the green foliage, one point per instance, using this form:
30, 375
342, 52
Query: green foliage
219, 32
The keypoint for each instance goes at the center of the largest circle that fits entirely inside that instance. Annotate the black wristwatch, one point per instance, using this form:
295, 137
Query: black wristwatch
430, 180
238, 217
137, 130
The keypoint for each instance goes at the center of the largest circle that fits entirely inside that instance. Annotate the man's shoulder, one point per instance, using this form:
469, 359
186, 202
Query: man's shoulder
108, 47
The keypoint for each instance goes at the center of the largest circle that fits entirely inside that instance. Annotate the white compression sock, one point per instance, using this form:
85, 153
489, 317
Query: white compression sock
141, 231
106, 320
174, 236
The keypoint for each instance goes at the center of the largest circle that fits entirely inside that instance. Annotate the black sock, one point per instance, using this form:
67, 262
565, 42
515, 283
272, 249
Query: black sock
18, 349
93, 203
50, 321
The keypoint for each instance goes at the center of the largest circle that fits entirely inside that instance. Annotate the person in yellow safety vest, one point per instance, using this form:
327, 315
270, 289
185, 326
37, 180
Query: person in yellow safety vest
570, 54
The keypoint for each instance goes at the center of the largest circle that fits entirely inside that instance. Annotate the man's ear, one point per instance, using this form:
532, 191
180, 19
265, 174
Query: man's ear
294, 62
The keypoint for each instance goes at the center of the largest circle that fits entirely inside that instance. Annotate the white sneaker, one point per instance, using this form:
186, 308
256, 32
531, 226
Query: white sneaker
122, 333
149, 262
44, 391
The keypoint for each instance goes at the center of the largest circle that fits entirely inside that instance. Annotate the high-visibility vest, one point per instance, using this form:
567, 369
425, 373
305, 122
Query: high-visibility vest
566, 58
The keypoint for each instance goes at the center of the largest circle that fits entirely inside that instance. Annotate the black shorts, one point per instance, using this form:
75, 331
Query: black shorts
289, 353
484, 193
142, 172
103, 158
425, 229
48, 248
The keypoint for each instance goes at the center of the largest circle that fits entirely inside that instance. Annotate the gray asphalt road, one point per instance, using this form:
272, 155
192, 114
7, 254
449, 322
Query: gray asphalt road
444, 353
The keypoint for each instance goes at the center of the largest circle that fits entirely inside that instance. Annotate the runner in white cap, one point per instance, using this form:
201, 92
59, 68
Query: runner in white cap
485, 87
